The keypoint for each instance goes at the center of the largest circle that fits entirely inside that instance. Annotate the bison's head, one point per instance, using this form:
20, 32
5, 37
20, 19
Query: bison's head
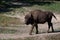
27, 19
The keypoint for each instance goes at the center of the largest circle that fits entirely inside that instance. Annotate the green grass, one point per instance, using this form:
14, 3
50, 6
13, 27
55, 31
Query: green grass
54, 7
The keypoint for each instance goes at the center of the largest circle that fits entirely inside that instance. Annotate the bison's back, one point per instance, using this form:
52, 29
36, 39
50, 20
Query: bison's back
39, 16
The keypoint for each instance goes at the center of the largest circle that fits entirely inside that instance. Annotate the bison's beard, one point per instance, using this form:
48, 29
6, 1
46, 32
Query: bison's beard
27, 23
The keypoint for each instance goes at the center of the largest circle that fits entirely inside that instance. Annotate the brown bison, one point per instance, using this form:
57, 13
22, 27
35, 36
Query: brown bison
39, 17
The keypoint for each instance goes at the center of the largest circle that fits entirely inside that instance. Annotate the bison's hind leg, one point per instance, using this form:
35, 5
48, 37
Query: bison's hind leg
50, 25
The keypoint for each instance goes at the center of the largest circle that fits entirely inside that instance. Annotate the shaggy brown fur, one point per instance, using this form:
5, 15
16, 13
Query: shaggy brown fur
39, 17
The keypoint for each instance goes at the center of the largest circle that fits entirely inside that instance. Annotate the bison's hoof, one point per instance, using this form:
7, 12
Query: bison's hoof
48, 32
37, 33
53, 31
30, 34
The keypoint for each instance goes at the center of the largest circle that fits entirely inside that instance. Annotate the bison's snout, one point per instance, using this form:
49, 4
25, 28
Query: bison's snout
26, 22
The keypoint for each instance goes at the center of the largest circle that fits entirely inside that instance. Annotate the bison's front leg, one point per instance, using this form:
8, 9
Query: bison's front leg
36, 28
31, 29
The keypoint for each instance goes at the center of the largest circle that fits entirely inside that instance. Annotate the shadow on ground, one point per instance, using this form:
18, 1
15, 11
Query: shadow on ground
56, 31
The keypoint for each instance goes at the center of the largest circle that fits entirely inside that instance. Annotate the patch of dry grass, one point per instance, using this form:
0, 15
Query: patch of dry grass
5, 21
7, 31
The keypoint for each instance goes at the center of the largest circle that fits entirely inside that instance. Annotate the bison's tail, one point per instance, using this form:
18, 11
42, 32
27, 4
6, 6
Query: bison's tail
54, 16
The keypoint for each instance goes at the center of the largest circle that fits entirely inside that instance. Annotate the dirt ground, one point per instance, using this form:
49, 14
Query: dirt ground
23, 30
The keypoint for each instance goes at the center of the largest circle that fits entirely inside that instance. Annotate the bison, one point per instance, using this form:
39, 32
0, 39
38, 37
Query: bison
36, 17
